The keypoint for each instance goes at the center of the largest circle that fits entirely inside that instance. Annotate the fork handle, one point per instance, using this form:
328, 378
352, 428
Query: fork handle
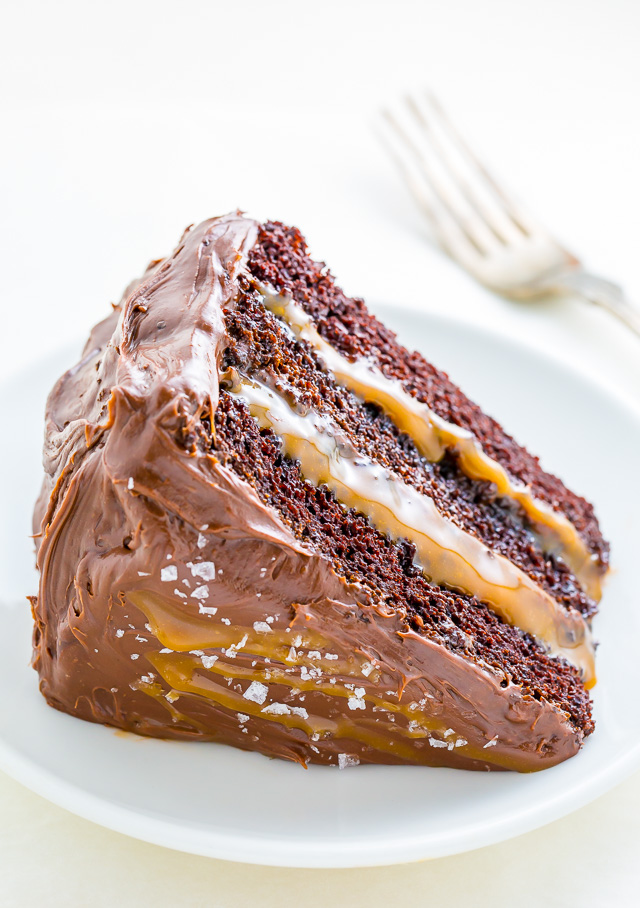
605, 294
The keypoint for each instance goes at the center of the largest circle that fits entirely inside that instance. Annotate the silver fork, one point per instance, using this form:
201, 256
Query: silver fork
477, 224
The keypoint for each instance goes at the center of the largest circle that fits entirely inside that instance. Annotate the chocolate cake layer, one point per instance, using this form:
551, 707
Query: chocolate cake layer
198, 582
280, 259
257, 345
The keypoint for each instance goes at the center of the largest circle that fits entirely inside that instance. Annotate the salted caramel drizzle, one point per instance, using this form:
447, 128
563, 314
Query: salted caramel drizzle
445, 553
434, 436
185, 673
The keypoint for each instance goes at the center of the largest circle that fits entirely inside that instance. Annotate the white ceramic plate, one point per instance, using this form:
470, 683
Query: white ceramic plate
213, 800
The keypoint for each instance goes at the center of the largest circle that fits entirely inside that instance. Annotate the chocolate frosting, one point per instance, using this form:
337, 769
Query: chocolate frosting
174, 603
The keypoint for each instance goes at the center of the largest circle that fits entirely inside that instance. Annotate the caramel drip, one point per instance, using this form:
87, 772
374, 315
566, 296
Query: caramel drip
181, 632
183, 671
185, 676
447, 554
433, 436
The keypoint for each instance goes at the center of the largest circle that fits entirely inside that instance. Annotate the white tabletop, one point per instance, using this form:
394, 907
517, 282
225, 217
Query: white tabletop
126, 121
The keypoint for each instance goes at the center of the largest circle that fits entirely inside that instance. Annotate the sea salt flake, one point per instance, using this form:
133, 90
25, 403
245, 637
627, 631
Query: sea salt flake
207, 609
201, 592
356, 703
196, 652
169, 573
297, 640
180, 593
172, 696
346, 760
300, 711
119, 632
135, 656
130, 483
148, 679
313, 654
292, 656
277, 709
461, 742
448, 732
270, 619
206, 570
202, 541
166, 650
331, 657
226, 621
366, 668
144, 574
208, 661
261, 627
141, 639
256, 692
242, 718
435, 742
491, 743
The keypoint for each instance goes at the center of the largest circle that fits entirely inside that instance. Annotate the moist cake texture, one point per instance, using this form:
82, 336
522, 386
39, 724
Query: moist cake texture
266, 523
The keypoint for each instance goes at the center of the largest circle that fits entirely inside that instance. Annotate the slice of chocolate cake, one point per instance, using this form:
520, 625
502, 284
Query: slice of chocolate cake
266, 523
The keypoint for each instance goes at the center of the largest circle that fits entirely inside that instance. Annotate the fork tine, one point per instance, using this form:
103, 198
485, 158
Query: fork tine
467, 179
501, 210
445, 194
448, 231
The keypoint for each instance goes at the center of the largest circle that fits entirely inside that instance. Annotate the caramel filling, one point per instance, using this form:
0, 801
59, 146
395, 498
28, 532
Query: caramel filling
189, 672
433, 436
448, 555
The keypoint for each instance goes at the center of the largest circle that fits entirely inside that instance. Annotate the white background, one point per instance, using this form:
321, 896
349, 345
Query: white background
123, 122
